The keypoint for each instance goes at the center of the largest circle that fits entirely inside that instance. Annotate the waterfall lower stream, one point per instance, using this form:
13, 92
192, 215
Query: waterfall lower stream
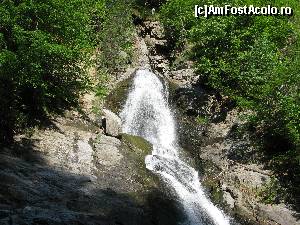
146, 113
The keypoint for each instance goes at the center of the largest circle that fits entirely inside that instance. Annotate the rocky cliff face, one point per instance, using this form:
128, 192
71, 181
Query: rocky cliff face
73, 173
211, 129
229, 161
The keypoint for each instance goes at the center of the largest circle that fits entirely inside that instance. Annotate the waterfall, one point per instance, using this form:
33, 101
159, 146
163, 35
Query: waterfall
146, 113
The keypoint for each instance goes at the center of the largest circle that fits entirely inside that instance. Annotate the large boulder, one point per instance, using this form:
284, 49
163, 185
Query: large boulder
111, 123
107, 151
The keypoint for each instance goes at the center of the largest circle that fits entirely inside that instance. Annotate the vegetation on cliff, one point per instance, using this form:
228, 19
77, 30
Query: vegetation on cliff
46, 48
252, 59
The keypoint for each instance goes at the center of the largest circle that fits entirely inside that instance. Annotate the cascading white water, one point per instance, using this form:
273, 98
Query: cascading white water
146, 113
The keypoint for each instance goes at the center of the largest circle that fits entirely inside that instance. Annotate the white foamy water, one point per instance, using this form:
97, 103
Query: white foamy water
147, 114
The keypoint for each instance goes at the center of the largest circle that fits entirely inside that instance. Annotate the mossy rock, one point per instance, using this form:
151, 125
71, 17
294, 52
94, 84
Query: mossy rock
136, 148
214, 189
137, 143
158, 203
117, 97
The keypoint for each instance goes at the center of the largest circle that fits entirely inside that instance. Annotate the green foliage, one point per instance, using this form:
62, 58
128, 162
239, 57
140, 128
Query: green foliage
249, 58
255, 61
46, 48
272, 192
115, 36
201, 120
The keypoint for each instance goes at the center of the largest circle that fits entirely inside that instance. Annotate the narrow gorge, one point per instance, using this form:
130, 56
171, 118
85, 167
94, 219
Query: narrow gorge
160, 148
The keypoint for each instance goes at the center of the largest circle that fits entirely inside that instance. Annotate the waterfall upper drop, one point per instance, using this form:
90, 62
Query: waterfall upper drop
147, 114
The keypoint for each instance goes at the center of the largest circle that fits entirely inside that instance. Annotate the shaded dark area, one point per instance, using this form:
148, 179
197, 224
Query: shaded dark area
150, 3
197, 106
33, 193
273, 152
7, 116
46, 48
27, 105
116, 99
282, 157
38, 71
